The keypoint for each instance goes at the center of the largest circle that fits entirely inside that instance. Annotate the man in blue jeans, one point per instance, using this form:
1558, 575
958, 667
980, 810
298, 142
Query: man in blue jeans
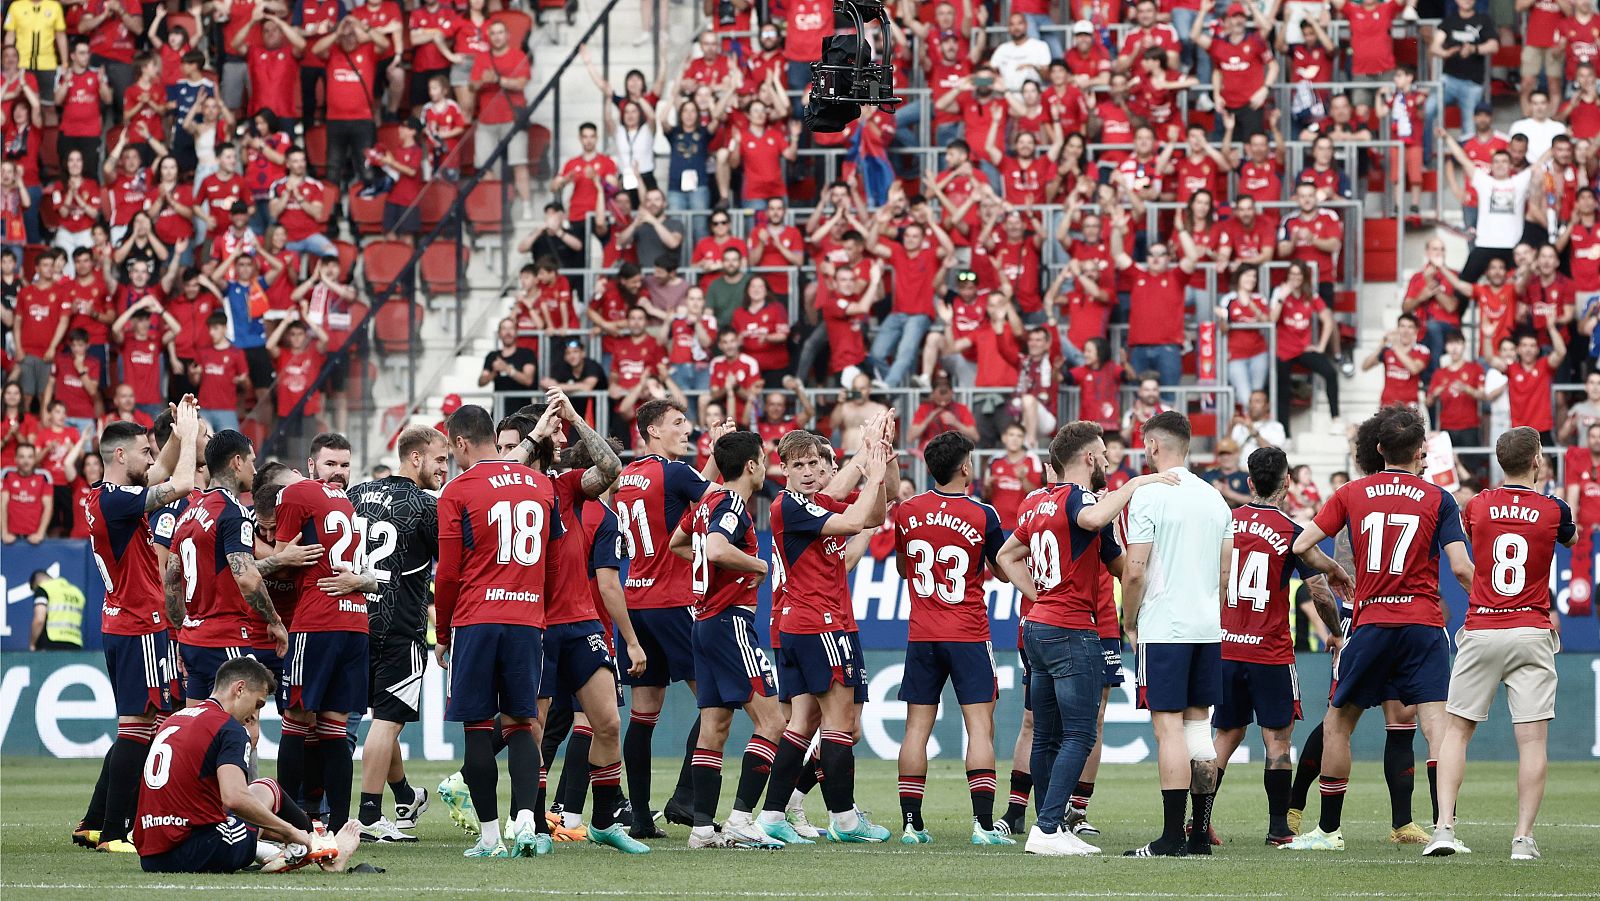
1156, 303
919, 268
1061, 548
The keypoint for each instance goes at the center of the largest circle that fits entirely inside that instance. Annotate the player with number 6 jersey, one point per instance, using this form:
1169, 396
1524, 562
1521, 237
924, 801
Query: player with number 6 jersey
942, 539
1400, 524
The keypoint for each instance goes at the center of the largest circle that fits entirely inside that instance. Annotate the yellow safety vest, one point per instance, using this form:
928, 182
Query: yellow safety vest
63, 618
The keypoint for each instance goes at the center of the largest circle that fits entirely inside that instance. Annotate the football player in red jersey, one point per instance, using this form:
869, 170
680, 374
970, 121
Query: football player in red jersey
497, 522
1259, 683
942, 538
1399, 524
820, 655
198, 813
731, 670
652, 496
140, 660
1062, 589
1511, 635
327, 662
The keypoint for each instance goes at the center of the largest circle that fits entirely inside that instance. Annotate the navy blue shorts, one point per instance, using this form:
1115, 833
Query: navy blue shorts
280, 691
494, 669
1267, 694
811, 664
729, 665
202, 665
573, 653
1177, 676
969, 665
666, 634
1027, 679
1111, 652
225, 847
327, 671
860, 661
144, 673
1406, 663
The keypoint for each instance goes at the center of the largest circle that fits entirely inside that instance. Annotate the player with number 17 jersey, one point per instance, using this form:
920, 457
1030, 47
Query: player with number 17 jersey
651, 498
941, 543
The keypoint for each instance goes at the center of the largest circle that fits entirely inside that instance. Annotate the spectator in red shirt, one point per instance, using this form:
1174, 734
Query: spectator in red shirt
352, 51
759, 151
1296, 309
592, 175
140, 350
1313, 235
1087, 58
1038, 391
1156, 308
763, 328
1403, 361
980, 100
1245, 305
501, 74
940, 413
1011, 476
80, 92
77, 383
298, 347
843, 310
26, 499
961, 313
1528, 378
636, 356
432, 28
402, 219
919, 266
1242, 67
1457, 387
273, 61
17, 425
43, 312
219, 371
88, 472
57, 446
298, 204
735, 377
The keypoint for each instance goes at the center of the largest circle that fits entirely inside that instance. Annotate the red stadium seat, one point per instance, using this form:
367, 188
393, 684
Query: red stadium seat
486, 213
389, 135
330, 202
316, 144
383, 263
184, 21
392, 327
366, 212
347, 260
518, 24
539, 151
435, 202
439, 268
49, 155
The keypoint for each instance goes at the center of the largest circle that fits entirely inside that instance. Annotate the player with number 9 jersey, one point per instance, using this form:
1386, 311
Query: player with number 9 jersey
219, 623
941, 541
652, 495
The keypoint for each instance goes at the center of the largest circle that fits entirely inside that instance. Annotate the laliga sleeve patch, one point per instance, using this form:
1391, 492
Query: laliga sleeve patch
165, 524
728, 522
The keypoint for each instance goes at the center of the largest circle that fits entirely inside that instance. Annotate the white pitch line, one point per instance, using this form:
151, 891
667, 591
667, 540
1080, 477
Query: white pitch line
371, 889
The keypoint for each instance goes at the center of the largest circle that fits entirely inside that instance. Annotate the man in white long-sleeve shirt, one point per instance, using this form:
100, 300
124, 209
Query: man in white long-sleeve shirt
1173, 584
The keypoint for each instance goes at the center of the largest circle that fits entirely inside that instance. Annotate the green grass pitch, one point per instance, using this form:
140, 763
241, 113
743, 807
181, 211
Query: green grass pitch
39, 800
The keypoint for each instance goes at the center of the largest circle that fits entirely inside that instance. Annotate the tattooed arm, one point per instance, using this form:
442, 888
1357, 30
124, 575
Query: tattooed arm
248, 578
605, 466
173, 584
293, 556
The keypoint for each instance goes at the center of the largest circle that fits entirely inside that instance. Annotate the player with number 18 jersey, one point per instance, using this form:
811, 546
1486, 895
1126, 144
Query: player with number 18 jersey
941, 543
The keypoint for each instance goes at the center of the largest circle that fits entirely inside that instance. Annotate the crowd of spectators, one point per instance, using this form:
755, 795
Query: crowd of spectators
1084, 209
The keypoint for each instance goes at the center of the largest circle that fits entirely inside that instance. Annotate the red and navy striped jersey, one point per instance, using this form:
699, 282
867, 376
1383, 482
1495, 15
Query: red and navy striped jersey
1514, 531
178, 792
1067, 578
716, 589
1255, 617
497, 522
313, 512
210, 530
815, 596
1399, 522
124, 552
652, 496
569, 599
942, 541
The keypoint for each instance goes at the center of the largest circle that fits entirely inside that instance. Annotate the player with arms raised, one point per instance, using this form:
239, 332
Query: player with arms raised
941, 540
731, 670
1062, 587
1259, 683
1511, 636
820, 655
398, 521
497, 521
1399, 524
326, 667
139, 657
652, 496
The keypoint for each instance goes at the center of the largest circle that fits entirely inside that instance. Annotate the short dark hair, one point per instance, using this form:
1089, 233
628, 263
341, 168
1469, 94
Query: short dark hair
945, 454
223, 447
266, 498
1268, 466
266, 474
1518, 449
1171, 423
217, 317
119, 433
251, 671
1401, 433
1407, 317
736, 450
473, 423
653, 411
330, 441
629, 269
1073, 438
